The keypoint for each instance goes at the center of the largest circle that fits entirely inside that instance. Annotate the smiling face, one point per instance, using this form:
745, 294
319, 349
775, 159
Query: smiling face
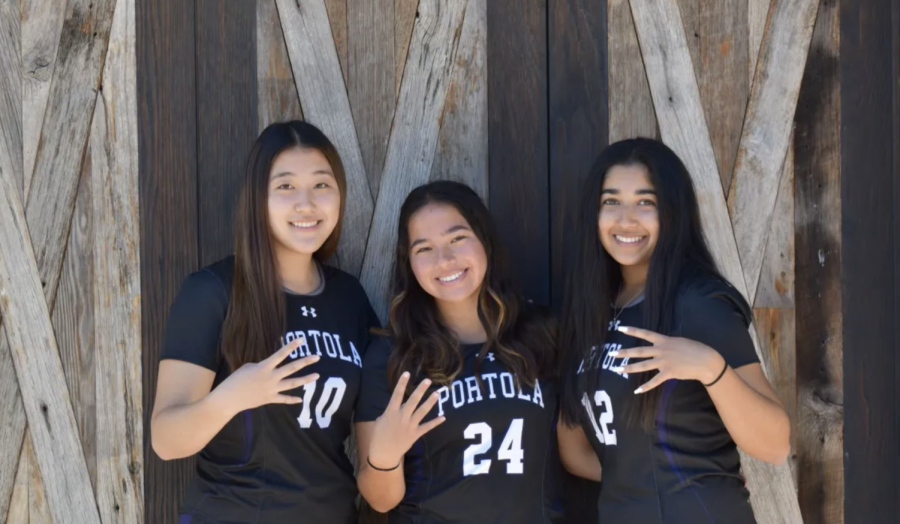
304, 202
447, 258
628, 222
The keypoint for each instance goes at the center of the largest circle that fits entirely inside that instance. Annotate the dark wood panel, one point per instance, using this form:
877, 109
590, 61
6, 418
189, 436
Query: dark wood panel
868, 237
578, 131
896, 76
819, 345
167, 134
518, 185
226, 115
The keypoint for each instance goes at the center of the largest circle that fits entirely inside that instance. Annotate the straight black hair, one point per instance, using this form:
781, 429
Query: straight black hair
594, 277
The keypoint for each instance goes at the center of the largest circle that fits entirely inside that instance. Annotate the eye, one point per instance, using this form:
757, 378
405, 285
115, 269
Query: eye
457, 238
647, 202
285, 186
609, 202
322, 185
423, 249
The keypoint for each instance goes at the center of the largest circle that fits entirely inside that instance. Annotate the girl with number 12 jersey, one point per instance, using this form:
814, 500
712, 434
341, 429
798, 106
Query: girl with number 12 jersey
457, 404
268, 425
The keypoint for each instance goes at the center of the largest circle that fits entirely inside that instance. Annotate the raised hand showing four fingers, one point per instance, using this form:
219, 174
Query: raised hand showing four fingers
672, 357
398, 428
256, 384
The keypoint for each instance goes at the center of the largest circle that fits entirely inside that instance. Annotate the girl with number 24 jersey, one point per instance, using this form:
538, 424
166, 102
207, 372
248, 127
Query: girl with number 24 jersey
268, 425
457, 404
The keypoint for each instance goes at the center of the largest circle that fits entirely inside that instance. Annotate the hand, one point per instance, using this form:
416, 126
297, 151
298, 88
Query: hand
257, 384
672, 357
399, 427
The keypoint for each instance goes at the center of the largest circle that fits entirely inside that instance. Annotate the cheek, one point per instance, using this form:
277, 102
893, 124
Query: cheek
650, 221
419, 267
329, 202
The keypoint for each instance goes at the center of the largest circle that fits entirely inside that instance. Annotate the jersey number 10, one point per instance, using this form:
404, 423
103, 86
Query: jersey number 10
510, 449
329, 402
601, 427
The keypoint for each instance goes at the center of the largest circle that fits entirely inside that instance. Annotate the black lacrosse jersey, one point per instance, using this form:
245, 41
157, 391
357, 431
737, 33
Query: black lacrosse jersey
687, 470
489, 461
277, 463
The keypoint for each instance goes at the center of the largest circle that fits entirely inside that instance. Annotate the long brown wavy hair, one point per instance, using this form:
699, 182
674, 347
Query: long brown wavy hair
256, 309
524, 339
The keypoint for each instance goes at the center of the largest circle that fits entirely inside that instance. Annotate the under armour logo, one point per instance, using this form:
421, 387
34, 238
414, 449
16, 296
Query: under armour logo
490, 356
308, 311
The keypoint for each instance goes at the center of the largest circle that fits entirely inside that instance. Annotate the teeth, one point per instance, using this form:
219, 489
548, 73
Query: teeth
628, 240
452, 277
305, 224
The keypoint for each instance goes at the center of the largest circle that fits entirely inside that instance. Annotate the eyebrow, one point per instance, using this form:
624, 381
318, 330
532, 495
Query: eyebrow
614, 191
453, 229
316, 172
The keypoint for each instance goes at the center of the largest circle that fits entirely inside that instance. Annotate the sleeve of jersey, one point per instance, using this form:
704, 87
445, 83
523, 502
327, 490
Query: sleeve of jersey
374, 391
195, 320
719, 318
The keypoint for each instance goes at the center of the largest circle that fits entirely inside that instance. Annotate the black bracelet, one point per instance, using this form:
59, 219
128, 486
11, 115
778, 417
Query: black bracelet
376, 468
722, 374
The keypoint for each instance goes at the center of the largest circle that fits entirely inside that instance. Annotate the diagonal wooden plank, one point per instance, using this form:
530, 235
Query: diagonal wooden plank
676, 98
277, 100
410, 154
757, 14
117, 275
42, 24
630, 105
405, 13
767, 129
776, 282
370, 39
18, 505
323, 97
12, 430
337, 19
462, 152
42, 382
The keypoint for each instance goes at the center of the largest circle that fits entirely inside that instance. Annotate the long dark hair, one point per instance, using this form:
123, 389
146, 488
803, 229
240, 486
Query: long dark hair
524, 340
594, 277
256, 310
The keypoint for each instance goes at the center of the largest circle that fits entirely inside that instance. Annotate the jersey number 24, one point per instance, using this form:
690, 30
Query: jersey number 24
510, 449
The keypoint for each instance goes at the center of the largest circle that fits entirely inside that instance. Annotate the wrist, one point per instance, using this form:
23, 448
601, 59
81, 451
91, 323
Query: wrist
383, 461
217, 401
713, 368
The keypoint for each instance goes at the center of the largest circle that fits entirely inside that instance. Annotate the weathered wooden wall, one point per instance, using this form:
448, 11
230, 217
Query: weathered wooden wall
70, 375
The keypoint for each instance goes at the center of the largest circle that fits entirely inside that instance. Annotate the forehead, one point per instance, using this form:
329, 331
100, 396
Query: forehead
299, 161
627, 178
434, 220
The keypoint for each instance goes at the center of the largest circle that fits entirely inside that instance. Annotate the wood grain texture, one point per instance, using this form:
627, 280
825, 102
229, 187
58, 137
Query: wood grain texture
42, 25
757, 14
76, 78
337, 19
73, 320
11, 411
777, 336
38, 367
323, 97
776, 280
767, 129
166, 94
226, 116
38, 505
462, 146
405, 14
631, 111
676, 98
18, 504
370, 85
277, 99
518, 168
117, 274
432, 55
819, 299
717, 38
11, 97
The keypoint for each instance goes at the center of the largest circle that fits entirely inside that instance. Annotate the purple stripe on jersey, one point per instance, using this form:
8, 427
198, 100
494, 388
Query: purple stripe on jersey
184, 519
662, 416
248, 436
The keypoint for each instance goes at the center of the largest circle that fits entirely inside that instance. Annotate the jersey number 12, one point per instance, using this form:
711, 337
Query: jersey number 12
601, 427
510, 449
329, 402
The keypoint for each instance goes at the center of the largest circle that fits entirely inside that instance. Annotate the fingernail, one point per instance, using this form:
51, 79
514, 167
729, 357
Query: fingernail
618, 369
613, 353
623, 329
405, 374
426, 381
638, 390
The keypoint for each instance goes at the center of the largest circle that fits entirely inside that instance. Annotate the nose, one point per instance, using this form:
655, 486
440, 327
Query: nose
446, 256
303, 201
627, 216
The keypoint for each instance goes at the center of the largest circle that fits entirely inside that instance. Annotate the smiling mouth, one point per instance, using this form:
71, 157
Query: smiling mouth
629, 240
306, 224
455, 277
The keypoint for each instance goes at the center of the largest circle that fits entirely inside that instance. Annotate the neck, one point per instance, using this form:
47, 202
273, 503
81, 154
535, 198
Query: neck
461, 318
298, 272
634, 278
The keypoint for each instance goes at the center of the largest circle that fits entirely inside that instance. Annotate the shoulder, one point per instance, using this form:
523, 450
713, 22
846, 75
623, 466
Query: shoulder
342, 282
210, 283
705, 296
378, 352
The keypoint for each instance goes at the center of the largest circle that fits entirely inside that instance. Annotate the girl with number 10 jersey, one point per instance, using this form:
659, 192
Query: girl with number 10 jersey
457, 404
268, 425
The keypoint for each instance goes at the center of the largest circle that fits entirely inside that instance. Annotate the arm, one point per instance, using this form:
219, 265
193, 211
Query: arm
577, 455
383, 490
